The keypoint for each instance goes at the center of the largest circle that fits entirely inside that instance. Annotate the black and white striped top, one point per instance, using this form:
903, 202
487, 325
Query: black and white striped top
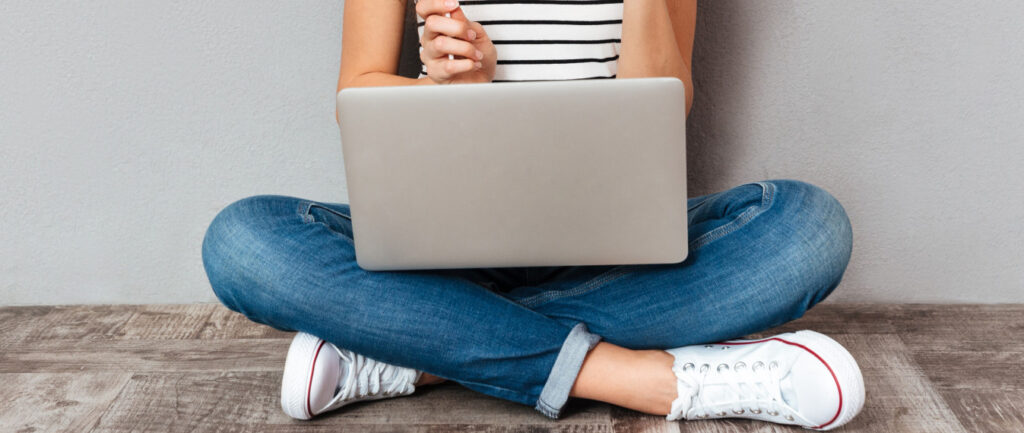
550, 39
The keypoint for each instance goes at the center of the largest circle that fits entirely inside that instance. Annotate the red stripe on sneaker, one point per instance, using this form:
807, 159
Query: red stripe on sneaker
309, 388
829, 367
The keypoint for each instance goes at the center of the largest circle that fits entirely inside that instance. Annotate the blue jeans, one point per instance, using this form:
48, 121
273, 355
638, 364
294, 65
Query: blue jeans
761, 254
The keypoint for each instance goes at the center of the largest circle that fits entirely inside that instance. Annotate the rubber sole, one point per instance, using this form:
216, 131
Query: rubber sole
846, 371
298, 369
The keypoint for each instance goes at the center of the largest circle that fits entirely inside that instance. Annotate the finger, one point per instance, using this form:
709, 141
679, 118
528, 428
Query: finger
443, 46
481, 33
459, 66
459, 15
426, 8
449, 27
427, 58
444, 69
474, 30
427, 43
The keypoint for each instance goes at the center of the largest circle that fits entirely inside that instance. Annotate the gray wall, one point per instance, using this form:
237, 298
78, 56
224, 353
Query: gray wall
125, 127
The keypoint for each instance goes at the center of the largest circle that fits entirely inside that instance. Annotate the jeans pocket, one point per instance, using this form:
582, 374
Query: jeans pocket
334, 220
729, 211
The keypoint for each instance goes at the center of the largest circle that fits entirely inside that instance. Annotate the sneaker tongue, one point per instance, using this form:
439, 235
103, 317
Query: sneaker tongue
718, 392
711, 392
346, 370
788, 390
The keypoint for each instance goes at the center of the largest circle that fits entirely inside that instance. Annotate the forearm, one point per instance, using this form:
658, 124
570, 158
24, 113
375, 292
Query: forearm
649, 45
371, 43
381, 79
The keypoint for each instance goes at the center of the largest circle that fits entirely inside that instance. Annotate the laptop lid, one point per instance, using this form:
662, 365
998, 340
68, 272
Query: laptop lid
516, 174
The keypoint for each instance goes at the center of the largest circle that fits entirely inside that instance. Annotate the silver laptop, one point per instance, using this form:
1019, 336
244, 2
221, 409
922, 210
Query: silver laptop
516, 174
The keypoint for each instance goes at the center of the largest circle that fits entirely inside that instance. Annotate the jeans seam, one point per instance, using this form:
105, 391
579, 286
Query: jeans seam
304, 212
547, 410
310, 205
699, 204
767, 197
588, 286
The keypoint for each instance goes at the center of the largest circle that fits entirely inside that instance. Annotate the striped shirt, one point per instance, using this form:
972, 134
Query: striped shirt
549, 39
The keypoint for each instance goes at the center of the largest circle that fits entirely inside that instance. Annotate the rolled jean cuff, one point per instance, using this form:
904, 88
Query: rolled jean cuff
566, 368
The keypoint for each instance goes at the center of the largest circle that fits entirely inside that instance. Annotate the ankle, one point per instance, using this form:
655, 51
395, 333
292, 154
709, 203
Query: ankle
659, 382
651, 384
428, 379
635, 379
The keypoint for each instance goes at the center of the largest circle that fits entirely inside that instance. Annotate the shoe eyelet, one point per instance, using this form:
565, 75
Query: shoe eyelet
721, 414
773, 365
773, 413
757, 366
704, 367
738, 412
739, 366
755, 411
789, 417
702, 416
708, 346
722, 367
688, 366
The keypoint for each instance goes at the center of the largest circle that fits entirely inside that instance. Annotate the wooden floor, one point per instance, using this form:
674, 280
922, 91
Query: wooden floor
189, 368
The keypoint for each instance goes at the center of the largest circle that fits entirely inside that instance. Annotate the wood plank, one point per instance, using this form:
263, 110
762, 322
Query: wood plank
166, 321
831, 319
900, 397
974, 356
180, 402
630, 421
56, 402
226, 324
988, 410
73, 322
977, 319
965, 369
16, 323
85, 356
238, 401
966, 347
205, 321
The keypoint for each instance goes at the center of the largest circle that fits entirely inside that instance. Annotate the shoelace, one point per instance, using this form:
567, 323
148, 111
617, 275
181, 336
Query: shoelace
370, 375
755, 389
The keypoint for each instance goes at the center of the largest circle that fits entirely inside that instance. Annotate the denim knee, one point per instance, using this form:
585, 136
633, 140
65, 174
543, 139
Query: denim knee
821, 236
229, 246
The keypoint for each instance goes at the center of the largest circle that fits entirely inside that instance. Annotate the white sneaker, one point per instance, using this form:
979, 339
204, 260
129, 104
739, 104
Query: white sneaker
320, 377
801, 378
